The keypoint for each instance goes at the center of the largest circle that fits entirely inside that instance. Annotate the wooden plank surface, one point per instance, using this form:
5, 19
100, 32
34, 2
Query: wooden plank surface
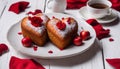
3, 4
7, 20
111, 50
91, 59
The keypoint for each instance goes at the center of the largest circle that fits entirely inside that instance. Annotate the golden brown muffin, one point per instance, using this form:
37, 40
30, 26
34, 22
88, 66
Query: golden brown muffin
62, 32
34, 28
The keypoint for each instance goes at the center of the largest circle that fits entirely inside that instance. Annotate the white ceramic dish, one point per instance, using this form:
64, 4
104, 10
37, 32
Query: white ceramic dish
42, 52
107, 19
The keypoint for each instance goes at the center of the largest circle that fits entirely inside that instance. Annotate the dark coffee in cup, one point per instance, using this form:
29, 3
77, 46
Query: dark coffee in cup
98, 8
98, 5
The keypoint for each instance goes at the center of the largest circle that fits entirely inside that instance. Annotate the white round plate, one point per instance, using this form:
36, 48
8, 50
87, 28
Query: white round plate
107, 19
42, 52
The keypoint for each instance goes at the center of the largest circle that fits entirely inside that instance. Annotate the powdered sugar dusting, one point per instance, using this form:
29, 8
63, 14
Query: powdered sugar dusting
44, 18
30, 15
68, 28
37, 29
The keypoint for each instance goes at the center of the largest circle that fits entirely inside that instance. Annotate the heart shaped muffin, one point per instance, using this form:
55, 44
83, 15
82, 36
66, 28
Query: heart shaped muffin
62, 32
34, 27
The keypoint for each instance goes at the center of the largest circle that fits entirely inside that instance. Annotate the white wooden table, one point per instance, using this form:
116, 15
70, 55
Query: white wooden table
94, 58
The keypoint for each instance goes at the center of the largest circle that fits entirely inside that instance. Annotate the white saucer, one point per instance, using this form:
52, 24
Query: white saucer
107, 19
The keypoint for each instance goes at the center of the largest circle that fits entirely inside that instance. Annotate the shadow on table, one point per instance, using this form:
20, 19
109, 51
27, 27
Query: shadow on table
75, 60
115, 22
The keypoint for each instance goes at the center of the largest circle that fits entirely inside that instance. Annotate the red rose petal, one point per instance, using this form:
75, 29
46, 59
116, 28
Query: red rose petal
77, 1
36, 21
63, 18
115, 1
3, 48
50, 51
100, 31
20, 33
35, 48
15, 8
116, 6
23, 5
53, 16
68, 20
35, 12
111, 39
61, 25
75, 5
92, 22
18, 7
24, 63
114, 62
30, 13
61, 49
84, 1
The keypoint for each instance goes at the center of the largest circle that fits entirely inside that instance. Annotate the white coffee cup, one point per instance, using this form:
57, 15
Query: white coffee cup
99, 8
56, 6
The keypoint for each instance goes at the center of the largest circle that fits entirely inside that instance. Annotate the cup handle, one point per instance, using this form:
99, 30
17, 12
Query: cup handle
109, 12
48, 6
